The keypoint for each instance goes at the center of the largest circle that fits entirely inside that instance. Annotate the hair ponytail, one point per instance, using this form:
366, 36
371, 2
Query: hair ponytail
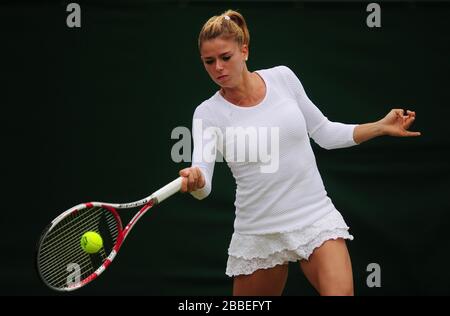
229, 25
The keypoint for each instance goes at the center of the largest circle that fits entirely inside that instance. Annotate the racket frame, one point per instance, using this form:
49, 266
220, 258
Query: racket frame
146, 203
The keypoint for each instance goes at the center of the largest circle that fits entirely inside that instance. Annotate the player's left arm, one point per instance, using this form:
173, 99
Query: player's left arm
395, 123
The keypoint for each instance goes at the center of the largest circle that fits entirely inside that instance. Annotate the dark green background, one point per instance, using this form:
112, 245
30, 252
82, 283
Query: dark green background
88, 114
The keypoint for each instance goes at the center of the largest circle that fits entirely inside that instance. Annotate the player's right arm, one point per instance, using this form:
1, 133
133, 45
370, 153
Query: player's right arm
198, 178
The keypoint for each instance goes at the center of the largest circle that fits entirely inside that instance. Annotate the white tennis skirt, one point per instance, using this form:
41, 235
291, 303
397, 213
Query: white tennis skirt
248, 253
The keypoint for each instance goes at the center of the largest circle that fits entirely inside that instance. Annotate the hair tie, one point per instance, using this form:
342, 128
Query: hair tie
226, 17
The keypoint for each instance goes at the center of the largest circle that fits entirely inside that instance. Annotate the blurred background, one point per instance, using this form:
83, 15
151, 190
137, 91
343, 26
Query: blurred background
87, 114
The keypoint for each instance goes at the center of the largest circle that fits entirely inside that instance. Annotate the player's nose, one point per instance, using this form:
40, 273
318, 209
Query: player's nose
219, 66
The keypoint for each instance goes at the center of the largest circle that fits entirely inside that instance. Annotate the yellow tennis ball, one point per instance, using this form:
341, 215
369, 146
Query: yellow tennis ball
91, 242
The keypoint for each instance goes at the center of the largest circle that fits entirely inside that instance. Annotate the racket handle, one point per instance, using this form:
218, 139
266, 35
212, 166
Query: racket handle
168, 190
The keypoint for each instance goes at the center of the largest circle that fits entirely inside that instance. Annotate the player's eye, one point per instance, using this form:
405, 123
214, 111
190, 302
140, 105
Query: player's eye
209, 61
226, 58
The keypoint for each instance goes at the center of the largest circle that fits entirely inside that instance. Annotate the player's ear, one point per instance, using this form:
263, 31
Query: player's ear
244, 51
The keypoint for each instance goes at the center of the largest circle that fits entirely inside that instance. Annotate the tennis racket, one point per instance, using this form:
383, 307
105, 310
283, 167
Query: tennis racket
61, 262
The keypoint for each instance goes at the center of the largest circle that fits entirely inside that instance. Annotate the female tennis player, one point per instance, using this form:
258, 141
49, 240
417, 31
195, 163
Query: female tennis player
283, 214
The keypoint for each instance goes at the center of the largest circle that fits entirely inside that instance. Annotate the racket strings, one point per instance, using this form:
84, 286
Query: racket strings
70, 250
70, 225
62, 254
74, 255
60, 248
52, 240
74, 217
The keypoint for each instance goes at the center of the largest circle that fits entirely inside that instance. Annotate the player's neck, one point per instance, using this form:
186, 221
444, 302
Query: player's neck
244, 93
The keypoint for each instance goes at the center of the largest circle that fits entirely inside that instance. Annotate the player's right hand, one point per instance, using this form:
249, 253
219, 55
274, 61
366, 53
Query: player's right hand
192, 179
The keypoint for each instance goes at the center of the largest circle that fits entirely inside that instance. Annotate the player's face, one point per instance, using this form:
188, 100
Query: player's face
224, 61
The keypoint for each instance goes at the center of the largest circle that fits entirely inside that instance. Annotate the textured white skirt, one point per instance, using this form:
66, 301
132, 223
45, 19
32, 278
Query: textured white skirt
248, 253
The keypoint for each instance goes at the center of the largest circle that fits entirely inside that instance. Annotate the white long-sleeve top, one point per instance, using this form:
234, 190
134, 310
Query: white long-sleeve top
279, 189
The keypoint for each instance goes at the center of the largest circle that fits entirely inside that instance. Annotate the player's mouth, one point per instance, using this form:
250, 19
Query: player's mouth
223, 77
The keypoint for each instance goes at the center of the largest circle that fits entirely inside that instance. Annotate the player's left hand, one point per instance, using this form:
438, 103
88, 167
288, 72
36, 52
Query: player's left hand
396, 123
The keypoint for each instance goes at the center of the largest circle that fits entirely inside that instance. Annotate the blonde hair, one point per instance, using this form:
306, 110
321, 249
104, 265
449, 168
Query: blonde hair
228, 25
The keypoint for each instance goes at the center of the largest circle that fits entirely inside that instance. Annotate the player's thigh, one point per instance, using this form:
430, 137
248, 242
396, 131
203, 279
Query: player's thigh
261, 282
329, 268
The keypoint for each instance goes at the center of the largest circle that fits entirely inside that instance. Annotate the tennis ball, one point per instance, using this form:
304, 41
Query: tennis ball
91, 242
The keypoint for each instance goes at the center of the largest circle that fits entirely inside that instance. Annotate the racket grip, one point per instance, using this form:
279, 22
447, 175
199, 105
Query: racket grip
168, 190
